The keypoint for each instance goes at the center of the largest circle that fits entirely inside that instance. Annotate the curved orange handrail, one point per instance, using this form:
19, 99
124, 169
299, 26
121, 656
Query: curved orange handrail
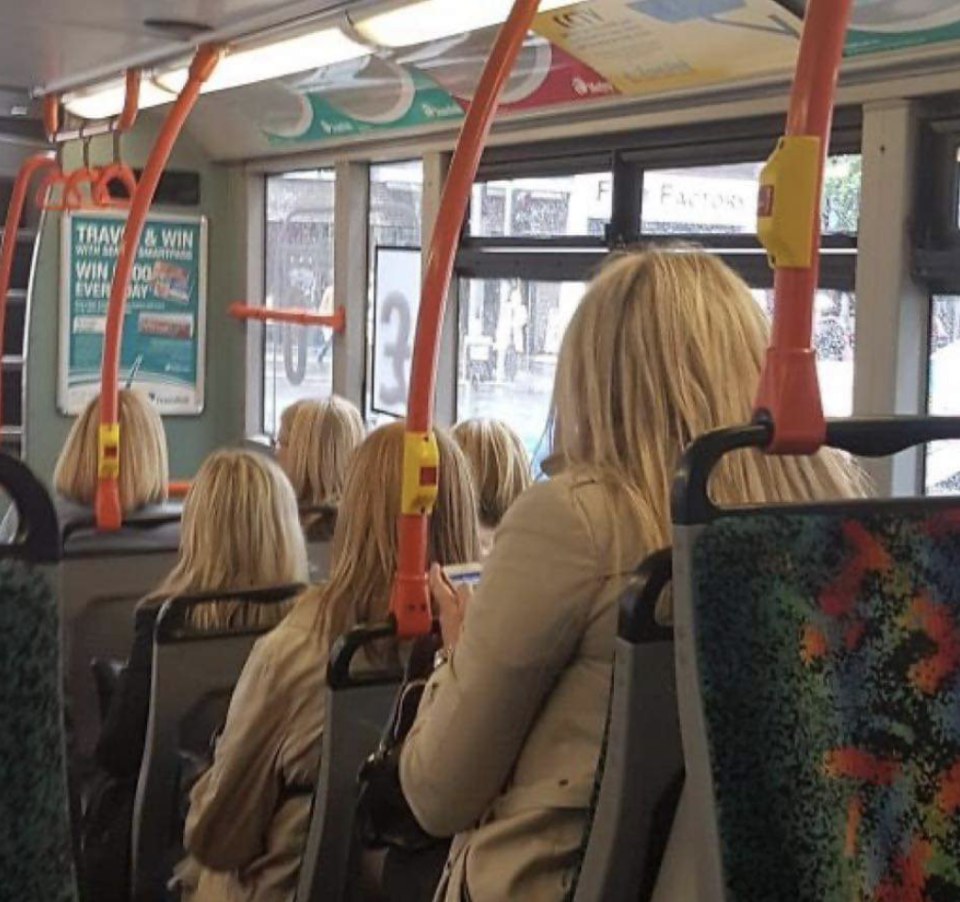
116, 171
107, 506
18, 198
73, 197
789, 391
409, 600
69, 197
131, 102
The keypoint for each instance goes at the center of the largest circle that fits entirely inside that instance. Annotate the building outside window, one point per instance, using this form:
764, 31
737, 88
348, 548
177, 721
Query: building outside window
298, 360
533, 244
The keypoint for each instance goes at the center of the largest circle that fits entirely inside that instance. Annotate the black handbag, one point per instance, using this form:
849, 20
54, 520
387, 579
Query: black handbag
414, 859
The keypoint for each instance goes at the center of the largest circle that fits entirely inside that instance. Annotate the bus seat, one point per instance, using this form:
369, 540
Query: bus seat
36, 857
819, 682
320, 520
319, 557
102, 578
358, 709
194, 674
641, 764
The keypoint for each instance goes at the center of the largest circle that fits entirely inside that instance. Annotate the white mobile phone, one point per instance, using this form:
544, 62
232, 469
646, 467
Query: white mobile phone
463, 574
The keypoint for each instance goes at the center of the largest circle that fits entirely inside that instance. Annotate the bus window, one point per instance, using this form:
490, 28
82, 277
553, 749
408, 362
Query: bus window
722, 200
396, 199
298, 361
509, 339
567, 205
833, 340
943, 458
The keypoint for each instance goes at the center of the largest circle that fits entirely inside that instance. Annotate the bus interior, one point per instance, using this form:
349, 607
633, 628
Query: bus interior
236, 206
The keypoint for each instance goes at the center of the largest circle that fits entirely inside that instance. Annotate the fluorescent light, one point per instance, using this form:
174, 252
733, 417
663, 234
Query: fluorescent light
274, 60
431, 20
104, 101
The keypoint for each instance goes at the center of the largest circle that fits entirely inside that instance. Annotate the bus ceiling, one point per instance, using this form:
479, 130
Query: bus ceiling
50, 53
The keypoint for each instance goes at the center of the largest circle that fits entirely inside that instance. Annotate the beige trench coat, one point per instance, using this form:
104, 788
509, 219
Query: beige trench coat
505, 747
249, 814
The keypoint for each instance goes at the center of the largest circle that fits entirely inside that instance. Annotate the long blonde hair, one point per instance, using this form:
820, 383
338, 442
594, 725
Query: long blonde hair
365, 541
499, 463
665, 346
240, 529
317, 439
144, 469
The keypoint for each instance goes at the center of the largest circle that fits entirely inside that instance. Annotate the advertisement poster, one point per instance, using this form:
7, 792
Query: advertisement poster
162, 350
395, 307
881, 25
643, 46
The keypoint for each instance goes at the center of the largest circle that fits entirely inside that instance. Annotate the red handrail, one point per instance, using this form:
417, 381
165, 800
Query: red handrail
789, 393
300, 317
410, 601
28, 169
108, 511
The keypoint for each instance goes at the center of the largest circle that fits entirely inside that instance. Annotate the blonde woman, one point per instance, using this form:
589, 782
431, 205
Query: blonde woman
500, 467
240, 530
664, 347
249, 814
144, 471
315, 444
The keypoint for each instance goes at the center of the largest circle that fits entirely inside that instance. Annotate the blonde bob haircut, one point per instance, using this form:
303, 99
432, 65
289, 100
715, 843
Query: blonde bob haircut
499, 463
240, 529
144, 470
665, 346
317, 439
365, 542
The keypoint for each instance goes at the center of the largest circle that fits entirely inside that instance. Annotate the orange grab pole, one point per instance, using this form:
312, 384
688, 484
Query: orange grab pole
108, 511
409, 601
51, 116
131, 102
789, 394
18, 198
336, 321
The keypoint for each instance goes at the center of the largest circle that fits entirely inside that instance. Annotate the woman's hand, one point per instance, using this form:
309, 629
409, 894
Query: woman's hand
449, 604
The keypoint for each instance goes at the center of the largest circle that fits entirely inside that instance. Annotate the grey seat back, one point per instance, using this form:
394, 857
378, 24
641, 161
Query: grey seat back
102, 578
819, 683
322, 520
319, 556
194, 673
36, 859
641, 765
358, 709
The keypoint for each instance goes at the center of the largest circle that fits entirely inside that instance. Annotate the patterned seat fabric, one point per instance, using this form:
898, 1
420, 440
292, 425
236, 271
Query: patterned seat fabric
35, 850
829, 658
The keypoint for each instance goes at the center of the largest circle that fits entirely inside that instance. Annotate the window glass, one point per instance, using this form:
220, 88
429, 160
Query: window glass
943, 458
722, 200
569, 205
297, 360
833, 339
510, 334
396, 199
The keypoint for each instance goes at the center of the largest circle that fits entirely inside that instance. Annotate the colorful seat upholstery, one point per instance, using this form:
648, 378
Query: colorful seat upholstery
36, 859
820, 692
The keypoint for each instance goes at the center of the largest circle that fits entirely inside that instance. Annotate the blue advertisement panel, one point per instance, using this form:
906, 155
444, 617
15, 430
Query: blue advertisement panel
162, 350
